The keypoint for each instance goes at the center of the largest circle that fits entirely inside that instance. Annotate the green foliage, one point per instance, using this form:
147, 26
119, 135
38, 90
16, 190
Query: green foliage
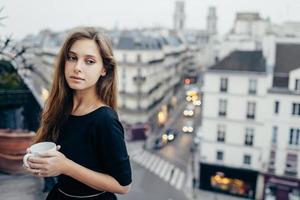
9, 78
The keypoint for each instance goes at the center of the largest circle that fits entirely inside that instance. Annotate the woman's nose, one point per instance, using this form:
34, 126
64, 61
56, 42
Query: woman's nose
78, 66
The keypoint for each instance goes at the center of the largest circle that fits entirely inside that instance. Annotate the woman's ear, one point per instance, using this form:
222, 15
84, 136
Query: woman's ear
103, 72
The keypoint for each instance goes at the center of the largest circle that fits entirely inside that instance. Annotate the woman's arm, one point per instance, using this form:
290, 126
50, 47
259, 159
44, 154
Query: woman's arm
96, 180
55, 163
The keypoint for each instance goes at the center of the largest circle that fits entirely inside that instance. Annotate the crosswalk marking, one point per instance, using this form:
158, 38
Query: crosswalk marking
180, 180
168, 173
149, 161
159, 166
154, 165
174, 177
162, 168
144, 157
137, 157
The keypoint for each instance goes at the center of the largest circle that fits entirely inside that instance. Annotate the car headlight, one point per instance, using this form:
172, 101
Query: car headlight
164, 137
170, 137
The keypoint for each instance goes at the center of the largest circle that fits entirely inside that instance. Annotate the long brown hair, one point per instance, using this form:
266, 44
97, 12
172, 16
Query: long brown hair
60, 101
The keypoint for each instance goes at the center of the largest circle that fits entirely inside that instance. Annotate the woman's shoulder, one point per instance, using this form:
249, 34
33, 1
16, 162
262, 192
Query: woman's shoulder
106, 115
106, 112
107, 119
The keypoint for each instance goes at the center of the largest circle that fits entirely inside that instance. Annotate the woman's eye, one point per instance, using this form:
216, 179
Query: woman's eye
71, 58
90, 62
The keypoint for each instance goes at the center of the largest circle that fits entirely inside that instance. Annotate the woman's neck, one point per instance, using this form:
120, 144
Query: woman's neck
85, 102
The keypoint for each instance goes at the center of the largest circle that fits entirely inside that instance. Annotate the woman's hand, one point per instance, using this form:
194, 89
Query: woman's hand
48, 164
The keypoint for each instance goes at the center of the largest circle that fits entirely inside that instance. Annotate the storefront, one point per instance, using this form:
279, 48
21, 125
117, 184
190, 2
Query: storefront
237, 182
281, 188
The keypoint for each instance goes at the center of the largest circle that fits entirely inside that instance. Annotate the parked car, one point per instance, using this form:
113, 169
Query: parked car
167, 136
189, 110
188, 127
170, 134
159, 143
197, 102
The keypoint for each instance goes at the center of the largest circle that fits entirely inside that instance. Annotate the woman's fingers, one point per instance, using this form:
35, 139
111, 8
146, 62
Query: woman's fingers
36, 166
38, 160
58, 147
48, 154
33, 171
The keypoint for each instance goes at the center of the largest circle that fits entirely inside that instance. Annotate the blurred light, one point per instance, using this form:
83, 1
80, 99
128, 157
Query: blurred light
45, 94
164, 137
188, 98
170, 137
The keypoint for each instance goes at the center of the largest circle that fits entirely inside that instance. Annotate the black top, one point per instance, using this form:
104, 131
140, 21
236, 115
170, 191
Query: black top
95, 141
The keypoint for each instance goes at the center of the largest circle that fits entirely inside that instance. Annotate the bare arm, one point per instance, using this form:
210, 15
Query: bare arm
55, 163
96, 180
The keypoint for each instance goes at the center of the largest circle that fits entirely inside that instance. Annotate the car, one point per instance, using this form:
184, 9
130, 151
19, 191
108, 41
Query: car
170, 134
197, 102
188, 127
159, 143
167, 136
189, 110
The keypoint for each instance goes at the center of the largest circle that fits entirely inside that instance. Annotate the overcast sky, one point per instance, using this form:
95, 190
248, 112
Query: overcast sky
30, 16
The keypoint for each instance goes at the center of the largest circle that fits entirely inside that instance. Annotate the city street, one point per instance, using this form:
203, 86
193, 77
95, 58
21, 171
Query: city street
147, 186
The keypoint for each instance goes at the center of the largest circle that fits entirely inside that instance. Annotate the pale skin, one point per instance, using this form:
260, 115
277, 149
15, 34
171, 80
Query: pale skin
84, 62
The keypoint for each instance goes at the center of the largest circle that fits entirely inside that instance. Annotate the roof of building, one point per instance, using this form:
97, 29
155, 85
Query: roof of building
287, 59
248, 16
250, 61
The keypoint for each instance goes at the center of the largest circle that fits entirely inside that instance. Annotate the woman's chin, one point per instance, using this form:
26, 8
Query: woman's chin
76, 87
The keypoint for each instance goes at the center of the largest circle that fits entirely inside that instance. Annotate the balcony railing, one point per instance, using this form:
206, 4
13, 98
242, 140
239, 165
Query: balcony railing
289, 171
250, 116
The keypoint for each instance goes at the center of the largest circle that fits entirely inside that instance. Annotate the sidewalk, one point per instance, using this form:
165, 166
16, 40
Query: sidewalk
21, 186
199, 194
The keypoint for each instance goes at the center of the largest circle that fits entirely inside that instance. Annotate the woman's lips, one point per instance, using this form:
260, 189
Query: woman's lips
77, 78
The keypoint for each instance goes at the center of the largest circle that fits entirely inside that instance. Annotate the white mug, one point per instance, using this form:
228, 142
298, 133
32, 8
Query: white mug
38, 148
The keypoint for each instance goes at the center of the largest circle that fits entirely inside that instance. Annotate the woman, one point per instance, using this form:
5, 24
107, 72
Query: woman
80, 117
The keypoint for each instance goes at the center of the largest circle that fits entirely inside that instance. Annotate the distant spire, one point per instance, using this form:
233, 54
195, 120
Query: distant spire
179, 16
212, 20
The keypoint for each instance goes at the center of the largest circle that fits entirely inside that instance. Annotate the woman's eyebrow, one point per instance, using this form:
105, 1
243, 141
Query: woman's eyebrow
92, 56
87, 55
72, 52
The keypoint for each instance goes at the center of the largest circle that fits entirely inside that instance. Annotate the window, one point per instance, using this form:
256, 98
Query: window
252, 86
296, 109
276, 107
123, 72
271, 165
247, 159
294, 136
291, 164
221, 133
274, 134
138, 58
297, 84
272, 158
124, 58
251, 110
249, 136
220, 155
223, 84
222, 107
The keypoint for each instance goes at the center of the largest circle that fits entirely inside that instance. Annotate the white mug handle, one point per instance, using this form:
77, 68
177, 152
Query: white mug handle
25, 158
